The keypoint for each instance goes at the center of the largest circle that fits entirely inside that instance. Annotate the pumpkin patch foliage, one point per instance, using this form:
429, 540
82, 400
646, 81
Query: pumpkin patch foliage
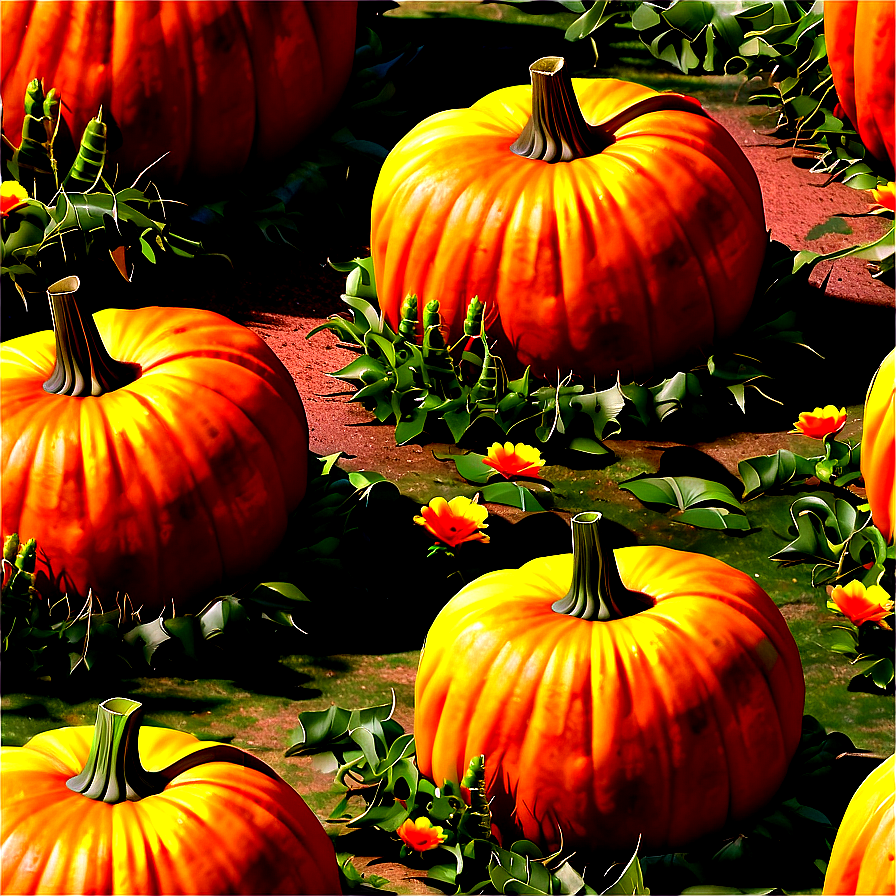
380, 787
463, 393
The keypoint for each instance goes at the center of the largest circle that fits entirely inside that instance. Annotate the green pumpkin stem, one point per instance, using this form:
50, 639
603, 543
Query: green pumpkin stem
597, 592
557, 130
114, 773
83, 366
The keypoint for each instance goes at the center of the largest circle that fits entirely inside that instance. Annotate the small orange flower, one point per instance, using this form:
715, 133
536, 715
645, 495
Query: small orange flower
420, 834
861, 604
514, 460
12, 195
454, 521
821, 422
885, 196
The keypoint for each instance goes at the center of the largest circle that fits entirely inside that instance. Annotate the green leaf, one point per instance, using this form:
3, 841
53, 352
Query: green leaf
631, 880
471, 466
833, 224
511, 494
589, 22
771, 471
681, 492
713, 518
318, 729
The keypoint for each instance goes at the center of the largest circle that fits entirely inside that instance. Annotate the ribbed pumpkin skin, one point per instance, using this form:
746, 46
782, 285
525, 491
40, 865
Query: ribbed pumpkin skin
210, 82
217, 828
163, 486
879, 447
862, 860
666, 724
623, 261
859, 38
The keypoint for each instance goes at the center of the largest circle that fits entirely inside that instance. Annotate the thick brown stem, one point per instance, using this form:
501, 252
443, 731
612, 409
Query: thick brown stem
597, 592
113, 772
83, 366
557, 130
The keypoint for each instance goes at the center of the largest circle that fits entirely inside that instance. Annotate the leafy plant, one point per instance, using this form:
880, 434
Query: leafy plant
462, 392
373, 761
74, 217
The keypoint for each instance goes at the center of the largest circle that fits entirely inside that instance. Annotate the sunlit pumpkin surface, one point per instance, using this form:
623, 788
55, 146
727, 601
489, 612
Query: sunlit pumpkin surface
210, 84
879, 446
664, 725
623, 261
217, 828
165, 486
862, 859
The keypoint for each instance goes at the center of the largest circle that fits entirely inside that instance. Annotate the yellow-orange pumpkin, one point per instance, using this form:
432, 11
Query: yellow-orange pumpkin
177, 472
119, 809
615, 239
862, 860
878, 460
859, 37
212, 83
604, 714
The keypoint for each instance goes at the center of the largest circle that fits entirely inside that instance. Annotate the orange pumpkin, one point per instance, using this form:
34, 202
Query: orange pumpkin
118, 809
211, 83
859, 39
862, 859
604, 714
167, 471
613, 239
878, 460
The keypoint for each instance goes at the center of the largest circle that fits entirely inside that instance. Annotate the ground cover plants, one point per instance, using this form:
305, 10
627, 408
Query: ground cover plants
415, 647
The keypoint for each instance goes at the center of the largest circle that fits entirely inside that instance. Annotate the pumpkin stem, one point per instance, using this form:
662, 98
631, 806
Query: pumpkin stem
597, 592
557, 130
113, 772
83, 366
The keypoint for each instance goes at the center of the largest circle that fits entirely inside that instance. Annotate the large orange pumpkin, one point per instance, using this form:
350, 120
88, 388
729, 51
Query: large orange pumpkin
605, 714
878, 460
618, 238
167, 470
119, 809
859, 37
210, 82
862, 860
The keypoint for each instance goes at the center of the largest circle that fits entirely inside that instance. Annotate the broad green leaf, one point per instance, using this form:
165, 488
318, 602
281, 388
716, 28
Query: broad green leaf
770, 471
713, 518
318, 729
681, 492
589, 446
511, 494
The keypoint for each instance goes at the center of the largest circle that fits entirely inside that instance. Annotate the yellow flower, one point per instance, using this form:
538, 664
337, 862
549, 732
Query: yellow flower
862, 604
420, 834
885, 196
12, 195
514, 460
454, 521
820, 422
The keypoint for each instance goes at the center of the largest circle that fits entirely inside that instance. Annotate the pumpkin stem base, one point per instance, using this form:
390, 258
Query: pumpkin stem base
597, 592
114, 773
83, 366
